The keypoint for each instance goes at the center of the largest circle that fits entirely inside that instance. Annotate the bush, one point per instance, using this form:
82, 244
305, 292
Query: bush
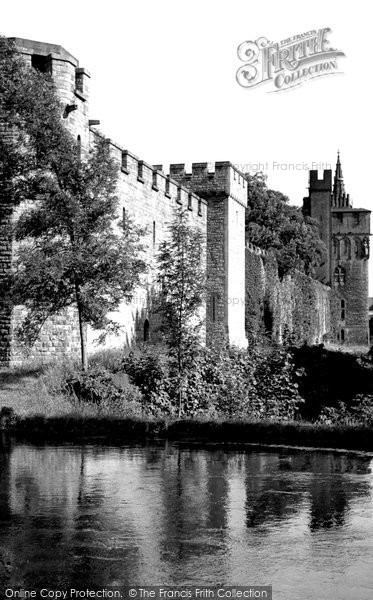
228, 382
149, 371
108, 392
359, 412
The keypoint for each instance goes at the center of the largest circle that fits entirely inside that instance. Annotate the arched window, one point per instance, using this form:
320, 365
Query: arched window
154, 233
339, 276
347, 247
335, 247
343, 310
342, 335
357, 248
146, 330
365, 248
213, 307
79, 146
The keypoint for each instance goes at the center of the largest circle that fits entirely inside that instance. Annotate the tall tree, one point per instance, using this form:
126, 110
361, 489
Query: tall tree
273, 224
182, 280
72, 250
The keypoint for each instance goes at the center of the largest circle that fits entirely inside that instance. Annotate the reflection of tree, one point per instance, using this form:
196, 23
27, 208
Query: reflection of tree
329, 501
4, 479
5, 512
329, 504
195, 498
269, 498
98, 559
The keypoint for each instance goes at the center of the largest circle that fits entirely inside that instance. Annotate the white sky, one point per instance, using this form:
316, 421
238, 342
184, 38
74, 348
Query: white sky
163, 82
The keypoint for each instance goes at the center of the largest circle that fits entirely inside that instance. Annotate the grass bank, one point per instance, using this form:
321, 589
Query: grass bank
44, 413
77, 428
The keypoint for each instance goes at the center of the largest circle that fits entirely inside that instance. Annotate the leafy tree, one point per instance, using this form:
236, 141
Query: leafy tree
272, 224
182, 280
30, 125
70, 251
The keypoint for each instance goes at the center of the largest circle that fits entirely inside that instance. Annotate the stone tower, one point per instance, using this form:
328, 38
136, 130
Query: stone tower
345, 231
318, 206
226, 193
72, 86
70, 80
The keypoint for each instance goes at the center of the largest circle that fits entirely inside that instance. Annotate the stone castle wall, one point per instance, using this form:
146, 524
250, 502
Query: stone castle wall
296, 308
150, 198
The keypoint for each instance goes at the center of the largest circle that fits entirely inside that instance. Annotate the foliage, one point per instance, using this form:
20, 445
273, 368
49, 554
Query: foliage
272, 224
99, 387
327, 378
71, 253
359, 412
31, 124
182, 280
149, 371
228, 382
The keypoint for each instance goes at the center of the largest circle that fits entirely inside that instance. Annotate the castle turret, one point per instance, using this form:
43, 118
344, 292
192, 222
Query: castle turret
226, 193
71, 82
345, 231
318, 207
350, 254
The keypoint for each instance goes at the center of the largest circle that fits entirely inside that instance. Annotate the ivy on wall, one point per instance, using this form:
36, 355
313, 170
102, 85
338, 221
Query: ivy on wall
294, 309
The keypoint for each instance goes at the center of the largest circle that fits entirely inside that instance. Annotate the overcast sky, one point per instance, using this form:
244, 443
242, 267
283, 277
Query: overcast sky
164, 82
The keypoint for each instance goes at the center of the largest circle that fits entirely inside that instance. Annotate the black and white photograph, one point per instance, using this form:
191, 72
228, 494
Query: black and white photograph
186, 301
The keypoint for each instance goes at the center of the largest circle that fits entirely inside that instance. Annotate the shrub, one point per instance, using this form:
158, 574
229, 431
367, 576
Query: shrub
108, 392
226, 382
149, 371
359, 412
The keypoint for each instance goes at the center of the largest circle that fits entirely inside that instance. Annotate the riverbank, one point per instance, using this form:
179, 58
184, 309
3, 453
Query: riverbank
41, 412
74, 428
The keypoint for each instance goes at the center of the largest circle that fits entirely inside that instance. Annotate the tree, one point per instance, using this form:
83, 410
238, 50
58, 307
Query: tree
70, 251
30, 125
272, 224
182, 280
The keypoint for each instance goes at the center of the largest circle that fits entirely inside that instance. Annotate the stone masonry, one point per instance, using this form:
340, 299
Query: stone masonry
346, 233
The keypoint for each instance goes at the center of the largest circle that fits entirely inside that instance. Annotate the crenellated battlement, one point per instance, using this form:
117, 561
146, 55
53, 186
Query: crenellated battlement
224, 179
322, 184
152, 176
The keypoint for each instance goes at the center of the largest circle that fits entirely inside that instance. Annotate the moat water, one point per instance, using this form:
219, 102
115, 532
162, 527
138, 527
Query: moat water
98, 516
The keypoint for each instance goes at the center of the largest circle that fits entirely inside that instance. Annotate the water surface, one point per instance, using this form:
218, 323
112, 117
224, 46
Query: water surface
96, 516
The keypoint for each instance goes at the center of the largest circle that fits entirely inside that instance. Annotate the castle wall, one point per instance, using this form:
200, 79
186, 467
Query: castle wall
296, 308
151, 199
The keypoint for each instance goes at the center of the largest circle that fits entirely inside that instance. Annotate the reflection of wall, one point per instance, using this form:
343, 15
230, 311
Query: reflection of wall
113, 516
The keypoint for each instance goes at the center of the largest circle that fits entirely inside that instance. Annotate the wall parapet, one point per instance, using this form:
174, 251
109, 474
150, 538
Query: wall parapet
209, 179
154, 177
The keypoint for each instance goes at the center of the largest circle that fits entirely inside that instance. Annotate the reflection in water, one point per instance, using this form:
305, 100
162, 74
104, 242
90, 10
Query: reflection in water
101, 516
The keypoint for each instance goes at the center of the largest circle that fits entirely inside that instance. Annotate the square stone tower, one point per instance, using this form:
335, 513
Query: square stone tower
226, 193
345, 231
